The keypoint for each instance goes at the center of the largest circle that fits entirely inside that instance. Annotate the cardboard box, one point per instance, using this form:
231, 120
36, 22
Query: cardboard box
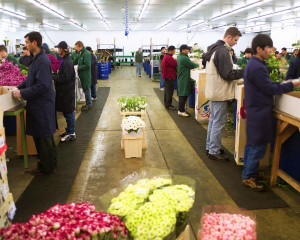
7, 210
3, 167
186, 235
7, 100
1, 118
289, 103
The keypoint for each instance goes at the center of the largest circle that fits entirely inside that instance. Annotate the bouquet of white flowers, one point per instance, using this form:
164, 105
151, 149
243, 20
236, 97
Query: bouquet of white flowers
132, 104
132, 124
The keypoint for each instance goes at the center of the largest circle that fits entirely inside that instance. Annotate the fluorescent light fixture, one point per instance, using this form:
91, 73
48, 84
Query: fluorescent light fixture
12, 13
47, 8
77, 25
93, 4
271, 14
107, 26
50, 26
198, 24
5, 23
164, 25
253, 4
146, 3
190, 8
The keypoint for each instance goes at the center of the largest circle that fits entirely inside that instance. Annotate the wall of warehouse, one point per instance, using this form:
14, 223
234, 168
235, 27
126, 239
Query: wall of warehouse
135, 39
285, 37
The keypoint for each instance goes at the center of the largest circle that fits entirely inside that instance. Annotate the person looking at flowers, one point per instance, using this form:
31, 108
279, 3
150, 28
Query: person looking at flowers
242, 62
65, 91
84, 61
259, 89
294, 68
27, 57
8, 57
39, 93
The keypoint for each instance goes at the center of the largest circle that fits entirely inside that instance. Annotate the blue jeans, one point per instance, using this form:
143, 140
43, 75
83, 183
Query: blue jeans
93, 90
162, 82
88, 98
252, 156
217, 120
139, 68
70, 119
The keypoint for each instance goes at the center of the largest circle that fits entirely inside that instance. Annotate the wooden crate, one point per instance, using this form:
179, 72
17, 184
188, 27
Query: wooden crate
7, 100
240, 133
289, 103
133, 146
185, 235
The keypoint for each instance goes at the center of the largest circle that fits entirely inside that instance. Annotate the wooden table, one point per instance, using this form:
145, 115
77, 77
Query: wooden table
14, 112
287, 125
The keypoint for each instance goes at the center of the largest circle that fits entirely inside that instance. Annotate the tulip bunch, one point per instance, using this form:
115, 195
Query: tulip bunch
69, 221
225, 226
55, 63
10, 75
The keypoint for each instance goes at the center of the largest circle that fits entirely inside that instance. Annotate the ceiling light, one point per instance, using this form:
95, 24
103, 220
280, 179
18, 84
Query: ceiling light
146, 3
50, 26
107, 26
186, 11
9, 24
47, 8
164, 25
198, 24
12, 13
93, 4
77, 25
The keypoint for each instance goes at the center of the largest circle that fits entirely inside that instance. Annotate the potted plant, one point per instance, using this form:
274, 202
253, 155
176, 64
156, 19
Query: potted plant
132, 136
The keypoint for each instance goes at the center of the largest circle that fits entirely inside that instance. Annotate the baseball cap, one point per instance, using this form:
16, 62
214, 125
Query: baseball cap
89, 49
62, 45
184, 46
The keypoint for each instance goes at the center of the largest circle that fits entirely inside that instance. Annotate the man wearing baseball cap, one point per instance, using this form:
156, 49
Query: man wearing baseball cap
65, 91
184, 81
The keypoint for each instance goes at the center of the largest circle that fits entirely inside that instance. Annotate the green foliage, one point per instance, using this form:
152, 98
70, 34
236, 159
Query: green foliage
272, 62
132, 104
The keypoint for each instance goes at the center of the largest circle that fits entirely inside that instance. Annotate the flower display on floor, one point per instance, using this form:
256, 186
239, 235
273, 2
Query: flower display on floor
132, 124
69, 221
132, 104
151, 208
10, 75
225, 226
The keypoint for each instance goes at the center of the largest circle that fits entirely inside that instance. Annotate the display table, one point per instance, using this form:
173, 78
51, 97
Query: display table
202, 110
19, 110
287, 125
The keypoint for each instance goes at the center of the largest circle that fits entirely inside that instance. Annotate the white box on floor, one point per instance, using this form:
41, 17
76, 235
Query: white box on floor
7, 100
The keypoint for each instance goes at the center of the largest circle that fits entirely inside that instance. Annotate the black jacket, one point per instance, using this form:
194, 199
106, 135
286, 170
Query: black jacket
26, 60
65, 86
222, 61
38, 91
294, 69
94, 69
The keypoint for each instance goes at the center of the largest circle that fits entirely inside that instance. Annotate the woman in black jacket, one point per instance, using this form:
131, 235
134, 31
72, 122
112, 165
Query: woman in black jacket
94, 74
65, 91
294, 68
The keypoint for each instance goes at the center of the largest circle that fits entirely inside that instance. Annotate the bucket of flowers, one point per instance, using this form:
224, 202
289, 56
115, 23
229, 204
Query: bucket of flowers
152, 203
132, 136
227, 222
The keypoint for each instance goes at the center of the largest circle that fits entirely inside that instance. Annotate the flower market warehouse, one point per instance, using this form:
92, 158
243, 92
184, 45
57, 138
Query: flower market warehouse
149, 119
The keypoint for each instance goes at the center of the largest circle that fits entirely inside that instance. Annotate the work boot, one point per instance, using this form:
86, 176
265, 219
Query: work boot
253, 184
219, 157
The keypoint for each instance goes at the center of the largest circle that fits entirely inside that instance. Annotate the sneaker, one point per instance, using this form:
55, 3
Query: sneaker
219, 157
182, 114
63, 134
162, 89
253, 184
94, 99
68, 138
171, 108
222, 151
86, 108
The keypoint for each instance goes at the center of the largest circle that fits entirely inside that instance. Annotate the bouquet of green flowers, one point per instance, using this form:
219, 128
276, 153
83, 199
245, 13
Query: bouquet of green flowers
152, 203
132, 104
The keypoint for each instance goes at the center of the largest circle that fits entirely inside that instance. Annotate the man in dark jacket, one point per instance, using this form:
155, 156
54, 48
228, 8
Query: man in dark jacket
294, 68
27, 57
94, 74
169, 65
84, 71
38, 91
259, 92
219, 89
65, 91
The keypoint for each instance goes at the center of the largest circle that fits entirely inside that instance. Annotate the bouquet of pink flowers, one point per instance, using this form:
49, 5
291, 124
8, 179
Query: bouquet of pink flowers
55, 63
69, 221
235, 224
10, 75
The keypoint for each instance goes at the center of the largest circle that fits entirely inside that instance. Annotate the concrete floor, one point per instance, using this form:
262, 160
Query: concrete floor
104, 163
